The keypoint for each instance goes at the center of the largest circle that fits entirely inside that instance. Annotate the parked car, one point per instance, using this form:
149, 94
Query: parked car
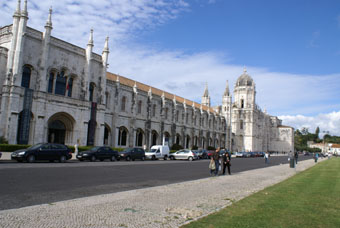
132, 154
158, 151
184, 154
43, 151
261, 154
239, 154
201, 153
98, 152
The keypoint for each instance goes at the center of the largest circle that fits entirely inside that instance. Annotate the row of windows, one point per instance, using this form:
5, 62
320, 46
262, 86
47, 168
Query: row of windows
139, 137
209, 123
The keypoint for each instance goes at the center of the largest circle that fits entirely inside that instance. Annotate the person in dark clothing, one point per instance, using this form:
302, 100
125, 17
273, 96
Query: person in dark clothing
296, 157
216, 158
226, 163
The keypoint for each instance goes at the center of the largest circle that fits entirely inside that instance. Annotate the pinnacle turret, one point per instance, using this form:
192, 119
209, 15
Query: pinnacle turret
226, 91
49, 20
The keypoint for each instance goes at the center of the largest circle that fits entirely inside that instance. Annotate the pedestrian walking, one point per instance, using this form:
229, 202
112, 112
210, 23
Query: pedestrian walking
216, 158
266, 156
212, 166
226, 163
296, 155
316, 157
76, 147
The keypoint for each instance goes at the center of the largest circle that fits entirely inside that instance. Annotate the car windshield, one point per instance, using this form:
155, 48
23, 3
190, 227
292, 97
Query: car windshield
94, 149
153, 150
127, 150
36, 146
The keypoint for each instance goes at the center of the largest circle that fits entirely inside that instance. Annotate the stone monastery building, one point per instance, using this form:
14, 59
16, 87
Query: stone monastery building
53, 91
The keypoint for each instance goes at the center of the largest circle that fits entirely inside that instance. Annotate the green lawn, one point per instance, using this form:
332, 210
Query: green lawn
309, 199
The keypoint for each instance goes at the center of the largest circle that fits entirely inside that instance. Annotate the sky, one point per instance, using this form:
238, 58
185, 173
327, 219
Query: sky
290, 48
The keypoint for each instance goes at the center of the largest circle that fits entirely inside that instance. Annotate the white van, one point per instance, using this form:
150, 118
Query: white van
158, 151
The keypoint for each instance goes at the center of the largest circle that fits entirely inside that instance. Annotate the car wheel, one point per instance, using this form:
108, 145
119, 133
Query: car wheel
143, 158
172, 158
153, 157
128, 158
93, 158
101, 159
166, 157
30, 159
62, 159
113, 158
190, 158
51, 161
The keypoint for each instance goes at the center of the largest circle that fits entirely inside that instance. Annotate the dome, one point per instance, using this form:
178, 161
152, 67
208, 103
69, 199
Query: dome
244, 79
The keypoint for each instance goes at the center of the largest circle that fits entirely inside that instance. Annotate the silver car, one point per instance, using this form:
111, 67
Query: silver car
184, 154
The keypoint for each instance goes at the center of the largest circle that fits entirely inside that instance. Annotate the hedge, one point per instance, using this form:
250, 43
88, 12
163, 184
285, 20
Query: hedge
11, 148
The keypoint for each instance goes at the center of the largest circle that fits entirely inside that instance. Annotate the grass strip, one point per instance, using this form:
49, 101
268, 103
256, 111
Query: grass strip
308, 199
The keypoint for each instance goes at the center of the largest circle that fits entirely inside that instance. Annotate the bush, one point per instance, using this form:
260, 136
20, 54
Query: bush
211, 148
3, 140
11, 148
84, 148
194, 147
176, 147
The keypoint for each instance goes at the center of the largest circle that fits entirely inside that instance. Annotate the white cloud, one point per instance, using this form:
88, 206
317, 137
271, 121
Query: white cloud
326, 122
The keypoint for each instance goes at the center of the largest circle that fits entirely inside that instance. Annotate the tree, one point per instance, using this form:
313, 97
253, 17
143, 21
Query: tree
317, 131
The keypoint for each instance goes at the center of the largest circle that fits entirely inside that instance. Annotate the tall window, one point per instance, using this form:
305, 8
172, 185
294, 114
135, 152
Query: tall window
26, 77
166, 113
50, 83
91, 90
139, 111
139, 137
242, 103
154, 110
154, 138
69, 87
177, 115
187, 118
60, 84
122, 107
107, 99
241, 124
122, 137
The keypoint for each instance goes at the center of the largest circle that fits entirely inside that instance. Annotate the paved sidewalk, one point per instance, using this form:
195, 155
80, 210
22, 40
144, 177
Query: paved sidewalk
163, 206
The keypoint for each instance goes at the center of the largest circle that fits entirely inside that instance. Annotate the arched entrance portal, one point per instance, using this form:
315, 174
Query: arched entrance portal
60, 128
56, 132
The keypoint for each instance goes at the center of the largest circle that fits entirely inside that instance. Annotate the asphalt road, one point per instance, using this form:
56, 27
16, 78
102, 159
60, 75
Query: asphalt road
23, 184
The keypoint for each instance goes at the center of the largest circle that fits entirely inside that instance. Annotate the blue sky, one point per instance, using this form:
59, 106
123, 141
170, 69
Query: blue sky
290, 48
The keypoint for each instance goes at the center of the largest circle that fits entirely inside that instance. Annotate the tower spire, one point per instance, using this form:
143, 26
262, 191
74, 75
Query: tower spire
106, 46
91, 38
226, 92
17, 12
49, 20
206, 92
24, 12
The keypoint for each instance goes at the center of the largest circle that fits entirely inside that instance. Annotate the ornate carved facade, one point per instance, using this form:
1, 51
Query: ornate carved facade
54, 91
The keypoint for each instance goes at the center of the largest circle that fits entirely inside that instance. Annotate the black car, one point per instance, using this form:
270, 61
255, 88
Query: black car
132, 154
98, 152
43, 151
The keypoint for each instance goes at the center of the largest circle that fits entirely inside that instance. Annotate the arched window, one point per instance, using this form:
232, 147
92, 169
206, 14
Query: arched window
139, 111
69, 87
188, 142
242, 103
50, 83
60, 84
178, 139
107, 99
154, 110
91, 90
122, 137
154, 138
122, 107
139, 137
166, 113
26, 77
